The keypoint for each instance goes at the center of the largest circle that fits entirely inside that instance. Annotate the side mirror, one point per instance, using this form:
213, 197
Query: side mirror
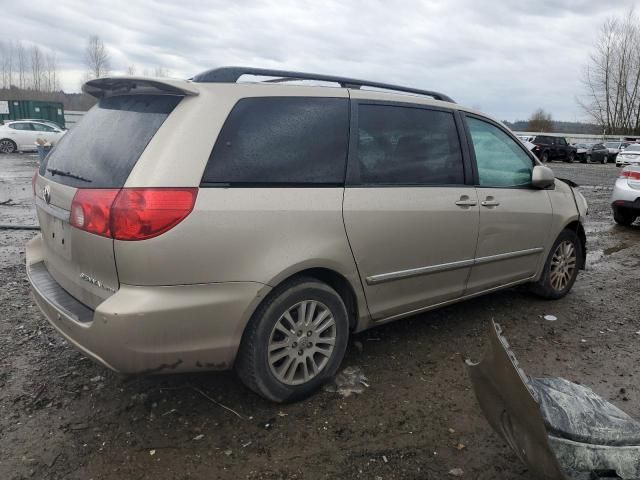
542, 177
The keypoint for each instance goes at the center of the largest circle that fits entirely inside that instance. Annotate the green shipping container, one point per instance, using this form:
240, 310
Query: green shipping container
32, 109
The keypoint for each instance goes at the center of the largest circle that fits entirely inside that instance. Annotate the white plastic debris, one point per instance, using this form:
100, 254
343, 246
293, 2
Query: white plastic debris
348, 381
550, 318
456, 472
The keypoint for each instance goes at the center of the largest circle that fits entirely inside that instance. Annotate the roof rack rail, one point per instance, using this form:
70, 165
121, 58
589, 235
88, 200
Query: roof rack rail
232, 74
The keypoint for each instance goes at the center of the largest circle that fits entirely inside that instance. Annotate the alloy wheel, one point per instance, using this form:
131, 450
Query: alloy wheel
563, 265
301, 342
7, 146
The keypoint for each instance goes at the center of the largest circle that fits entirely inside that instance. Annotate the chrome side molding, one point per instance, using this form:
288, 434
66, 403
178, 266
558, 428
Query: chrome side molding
443, 267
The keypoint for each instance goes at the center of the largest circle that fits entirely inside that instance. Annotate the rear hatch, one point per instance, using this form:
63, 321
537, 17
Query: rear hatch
98, 154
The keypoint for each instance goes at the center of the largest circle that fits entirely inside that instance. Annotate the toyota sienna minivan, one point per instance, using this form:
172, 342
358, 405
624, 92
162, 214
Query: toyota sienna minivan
213, 223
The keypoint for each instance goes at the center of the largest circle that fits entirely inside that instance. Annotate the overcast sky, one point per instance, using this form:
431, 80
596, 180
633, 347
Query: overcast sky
506, 58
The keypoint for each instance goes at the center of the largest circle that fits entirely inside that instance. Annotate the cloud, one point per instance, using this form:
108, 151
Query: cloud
507, 58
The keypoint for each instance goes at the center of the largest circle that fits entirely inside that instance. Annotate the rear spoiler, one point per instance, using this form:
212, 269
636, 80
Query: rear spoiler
106, 86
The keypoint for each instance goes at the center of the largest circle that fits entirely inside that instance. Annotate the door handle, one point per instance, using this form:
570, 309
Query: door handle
490, 202
465, 201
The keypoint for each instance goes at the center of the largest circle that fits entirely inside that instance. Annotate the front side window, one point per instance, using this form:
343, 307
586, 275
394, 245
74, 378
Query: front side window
407, 146
282, 141
501, 161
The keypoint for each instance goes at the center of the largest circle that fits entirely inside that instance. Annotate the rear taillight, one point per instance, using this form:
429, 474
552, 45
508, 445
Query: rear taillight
630, 174
91, 210
131, 213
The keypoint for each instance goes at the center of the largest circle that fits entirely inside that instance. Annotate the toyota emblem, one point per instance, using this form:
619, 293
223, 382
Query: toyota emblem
46, 193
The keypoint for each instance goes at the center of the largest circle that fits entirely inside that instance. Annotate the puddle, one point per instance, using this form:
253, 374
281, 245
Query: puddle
616, 248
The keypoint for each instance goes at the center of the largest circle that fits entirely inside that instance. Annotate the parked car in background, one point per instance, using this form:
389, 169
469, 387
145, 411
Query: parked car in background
548, 148
593, 152
629, 156
298, 215
21, 135
625, 199
614, 148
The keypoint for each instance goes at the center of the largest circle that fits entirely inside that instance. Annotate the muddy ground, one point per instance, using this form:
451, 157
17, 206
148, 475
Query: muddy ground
62, 416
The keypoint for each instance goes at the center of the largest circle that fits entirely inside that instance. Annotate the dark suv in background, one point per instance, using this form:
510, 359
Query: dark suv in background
553, 148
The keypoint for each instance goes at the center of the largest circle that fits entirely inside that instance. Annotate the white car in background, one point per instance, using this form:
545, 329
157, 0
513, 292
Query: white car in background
21, 135
629, 156
625, 198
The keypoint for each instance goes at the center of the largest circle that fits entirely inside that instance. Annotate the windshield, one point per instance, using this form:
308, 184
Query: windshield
632, 148
103, 148
612, 144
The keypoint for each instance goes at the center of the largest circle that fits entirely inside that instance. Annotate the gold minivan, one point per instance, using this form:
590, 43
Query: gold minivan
213, 223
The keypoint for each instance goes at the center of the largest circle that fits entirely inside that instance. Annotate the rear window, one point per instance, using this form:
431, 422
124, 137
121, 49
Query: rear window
103, 148
284, 141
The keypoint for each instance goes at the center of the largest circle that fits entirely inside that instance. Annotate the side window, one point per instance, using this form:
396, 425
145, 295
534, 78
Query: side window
406, 146
282, 140
41, 128
501, 161
21, 126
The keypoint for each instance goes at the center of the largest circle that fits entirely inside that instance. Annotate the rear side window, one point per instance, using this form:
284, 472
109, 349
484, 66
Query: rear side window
406, 146
281, 141
103, 148
21, 126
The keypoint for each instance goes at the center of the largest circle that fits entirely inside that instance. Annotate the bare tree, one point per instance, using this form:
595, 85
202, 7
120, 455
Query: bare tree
540, 121
37, 68
612, 77
21, 58
7, 63
52, 72
131, 70
160, 72
96, 58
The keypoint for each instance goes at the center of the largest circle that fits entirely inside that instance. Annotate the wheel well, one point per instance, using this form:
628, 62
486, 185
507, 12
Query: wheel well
339, 283
577, 227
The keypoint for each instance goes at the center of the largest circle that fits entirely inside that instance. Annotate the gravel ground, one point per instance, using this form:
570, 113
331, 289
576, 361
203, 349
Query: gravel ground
64, 417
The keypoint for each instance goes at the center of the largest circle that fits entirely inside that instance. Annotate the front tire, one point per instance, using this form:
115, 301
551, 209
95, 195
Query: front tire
295, 341
561, 268
571, 158
588, 159
8, 146
605, 159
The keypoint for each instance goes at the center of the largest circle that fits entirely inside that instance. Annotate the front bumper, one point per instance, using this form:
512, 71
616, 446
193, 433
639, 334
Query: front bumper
144, 330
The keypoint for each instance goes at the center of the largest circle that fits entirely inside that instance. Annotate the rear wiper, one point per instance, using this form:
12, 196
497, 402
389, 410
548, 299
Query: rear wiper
55, 171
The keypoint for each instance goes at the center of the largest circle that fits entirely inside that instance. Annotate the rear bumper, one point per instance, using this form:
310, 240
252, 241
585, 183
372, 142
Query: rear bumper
144, 330
624, 196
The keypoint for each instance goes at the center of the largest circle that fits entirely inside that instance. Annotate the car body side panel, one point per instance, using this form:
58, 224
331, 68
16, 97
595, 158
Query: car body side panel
246, 235
517, 228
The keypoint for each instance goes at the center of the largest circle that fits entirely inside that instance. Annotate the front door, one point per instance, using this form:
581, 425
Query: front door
515, 218
411, 220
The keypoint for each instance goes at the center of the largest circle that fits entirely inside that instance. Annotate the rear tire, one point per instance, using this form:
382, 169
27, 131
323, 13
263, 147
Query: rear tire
545, 157
289, 349
571, 158
588, 159
624, 217
605, 159
561, 268
8, 146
